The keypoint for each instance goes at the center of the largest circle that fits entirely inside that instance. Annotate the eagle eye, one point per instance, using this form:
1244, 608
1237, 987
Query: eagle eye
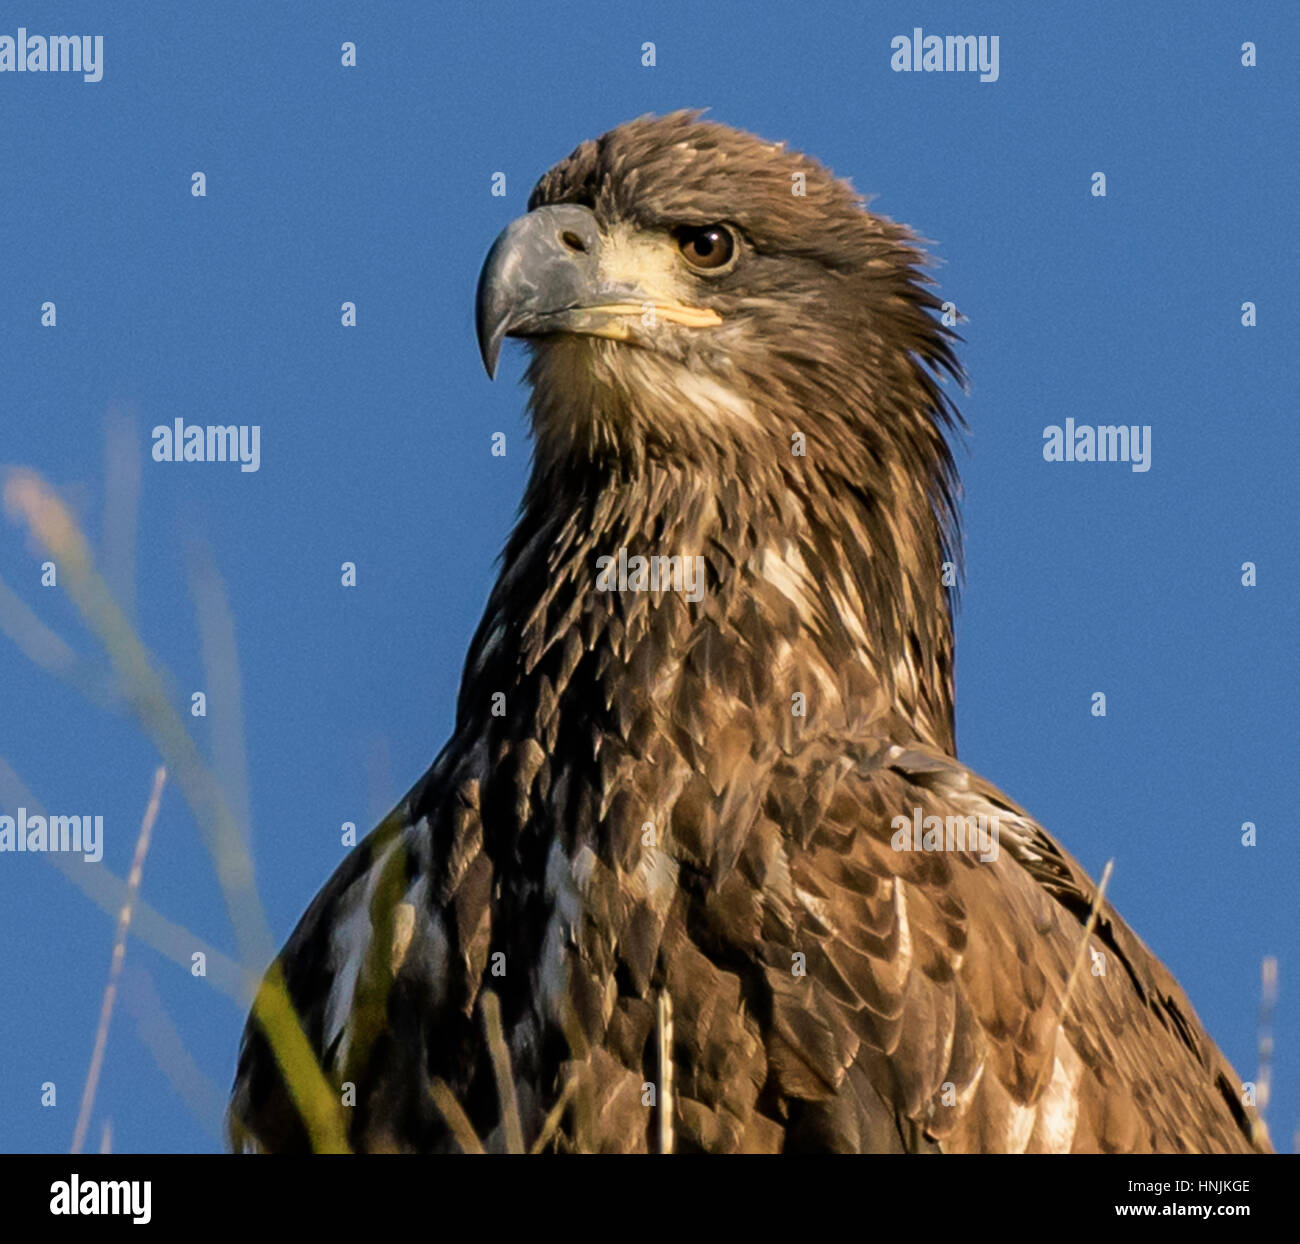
707, 247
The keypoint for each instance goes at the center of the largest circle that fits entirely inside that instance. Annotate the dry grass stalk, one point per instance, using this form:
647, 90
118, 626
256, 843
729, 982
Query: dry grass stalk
1098, 899
30, 499
665, 1044
500, 1052
455, 1117
119, 956
552, 1123
1267, 1001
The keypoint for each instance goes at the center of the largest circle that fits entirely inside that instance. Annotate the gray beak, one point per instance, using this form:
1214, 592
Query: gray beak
544, 275
538, 277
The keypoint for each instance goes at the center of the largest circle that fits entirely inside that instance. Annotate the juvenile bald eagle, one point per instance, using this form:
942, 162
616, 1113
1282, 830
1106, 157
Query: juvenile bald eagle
717, 798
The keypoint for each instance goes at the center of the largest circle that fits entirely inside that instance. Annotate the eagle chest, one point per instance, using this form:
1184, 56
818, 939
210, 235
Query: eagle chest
625, 874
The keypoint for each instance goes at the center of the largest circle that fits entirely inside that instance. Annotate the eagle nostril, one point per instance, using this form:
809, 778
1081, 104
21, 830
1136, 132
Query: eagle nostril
572, 241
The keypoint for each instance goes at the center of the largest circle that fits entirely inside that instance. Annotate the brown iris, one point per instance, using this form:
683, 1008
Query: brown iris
707, 246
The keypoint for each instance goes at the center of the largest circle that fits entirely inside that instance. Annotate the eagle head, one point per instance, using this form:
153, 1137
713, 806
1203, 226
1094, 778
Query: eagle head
692, 293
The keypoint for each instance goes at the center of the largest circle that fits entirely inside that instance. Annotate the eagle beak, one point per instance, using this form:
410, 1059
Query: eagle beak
544, 275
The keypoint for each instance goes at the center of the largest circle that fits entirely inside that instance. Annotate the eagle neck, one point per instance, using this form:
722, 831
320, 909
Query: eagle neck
679, 580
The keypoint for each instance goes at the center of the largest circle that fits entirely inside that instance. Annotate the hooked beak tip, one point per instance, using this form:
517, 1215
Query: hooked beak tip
490, 349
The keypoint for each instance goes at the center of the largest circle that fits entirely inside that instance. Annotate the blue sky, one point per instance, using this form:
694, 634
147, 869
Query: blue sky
372, 185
